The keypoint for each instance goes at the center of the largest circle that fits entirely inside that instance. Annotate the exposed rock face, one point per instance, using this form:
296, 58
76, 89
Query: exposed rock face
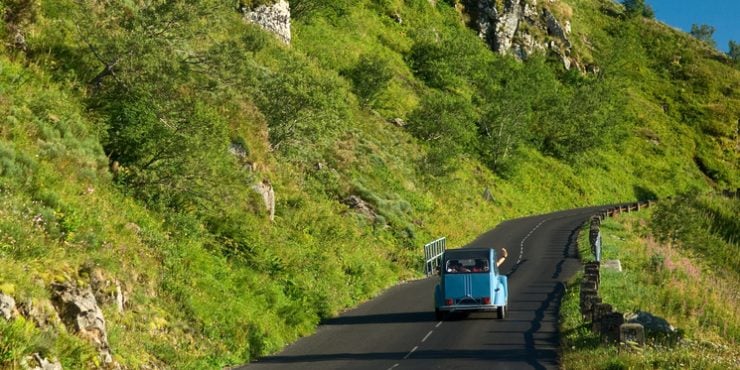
7, 307
80, 313
274, 18
522, 28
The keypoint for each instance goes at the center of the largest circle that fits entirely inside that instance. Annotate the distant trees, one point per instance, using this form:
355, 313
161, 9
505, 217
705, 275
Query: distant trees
703, 32
734, 51
638, 8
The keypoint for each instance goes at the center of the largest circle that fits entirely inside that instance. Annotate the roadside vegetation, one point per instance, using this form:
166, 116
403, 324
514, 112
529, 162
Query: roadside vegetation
685, 279
133, 134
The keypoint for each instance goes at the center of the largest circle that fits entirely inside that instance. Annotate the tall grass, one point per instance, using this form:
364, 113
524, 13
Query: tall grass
683, 287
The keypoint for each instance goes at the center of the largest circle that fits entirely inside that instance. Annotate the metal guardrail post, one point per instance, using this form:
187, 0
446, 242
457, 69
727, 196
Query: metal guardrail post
433, 254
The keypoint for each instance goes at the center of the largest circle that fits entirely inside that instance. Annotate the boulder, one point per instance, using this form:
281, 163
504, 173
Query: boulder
651, 323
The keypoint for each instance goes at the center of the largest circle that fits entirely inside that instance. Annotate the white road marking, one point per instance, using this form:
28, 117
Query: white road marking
412, 351
521, 244
427, 336
519, 260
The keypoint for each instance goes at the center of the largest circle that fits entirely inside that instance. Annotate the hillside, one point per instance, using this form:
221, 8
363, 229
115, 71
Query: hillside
141, 141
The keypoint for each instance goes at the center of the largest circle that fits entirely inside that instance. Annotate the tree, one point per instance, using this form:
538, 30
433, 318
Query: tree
638, 8
703, 32
446, 122
734, 51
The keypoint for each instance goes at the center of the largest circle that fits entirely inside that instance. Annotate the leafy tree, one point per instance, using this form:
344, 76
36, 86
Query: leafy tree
703, 32
447, 123
638, 8
166, 148
302, 104
734, 51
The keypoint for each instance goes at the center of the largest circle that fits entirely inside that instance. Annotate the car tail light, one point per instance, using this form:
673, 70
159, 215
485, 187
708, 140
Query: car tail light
448, 302
486, 300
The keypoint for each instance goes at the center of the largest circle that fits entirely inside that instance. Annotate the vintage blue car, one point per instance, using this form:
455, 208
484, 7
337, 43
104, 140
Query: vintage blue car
470, 281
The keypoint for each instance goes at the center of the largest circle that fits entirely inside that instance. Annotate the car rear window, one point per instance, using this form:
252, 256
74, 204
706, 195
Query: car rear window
461, 262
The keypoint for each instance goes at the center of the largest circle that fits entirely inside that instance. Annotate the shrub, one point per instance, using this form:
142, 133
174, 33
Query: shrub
369, 77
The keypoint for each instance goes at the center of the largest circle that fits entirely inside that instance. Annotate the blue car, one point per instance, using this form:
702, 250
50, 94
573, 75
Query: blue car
470, 281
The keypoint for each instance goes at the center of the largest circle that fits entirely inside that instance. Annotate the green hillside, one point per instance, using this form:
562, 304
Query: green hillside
133, 136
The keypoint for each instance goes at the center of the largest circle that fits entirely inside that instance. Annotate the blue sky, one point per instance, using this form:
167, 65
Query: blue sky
724, 15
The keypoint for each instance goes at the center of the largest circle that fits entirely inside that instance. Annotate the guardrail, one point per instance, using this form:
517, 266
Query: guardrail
433, 254
604, 320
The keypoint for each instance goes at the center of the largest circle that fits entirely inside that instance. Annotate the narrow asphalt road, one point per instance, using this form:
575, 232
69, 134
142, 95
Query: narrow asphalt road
397, 330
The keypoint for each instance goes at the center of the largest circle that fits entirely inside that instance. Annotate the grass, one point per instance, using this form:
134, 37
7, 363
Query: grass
678, 285
104, 176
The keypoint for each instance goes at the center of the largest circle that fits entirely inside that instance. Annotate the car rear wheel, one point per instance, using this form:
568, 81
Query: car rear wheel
439, 315
501, 312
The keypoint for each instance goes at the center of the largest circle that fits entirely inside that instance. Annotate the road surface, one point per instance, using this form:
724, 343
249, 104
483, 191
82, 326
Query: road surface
397, 330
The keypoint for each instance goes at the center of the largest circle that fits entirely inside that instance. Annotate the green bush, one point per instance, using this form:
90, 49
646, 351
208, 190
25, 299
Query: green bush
369, 77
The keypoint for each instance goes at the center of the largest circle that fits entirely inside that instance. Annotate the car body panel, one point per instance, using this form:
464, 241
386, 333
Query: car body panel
470, 281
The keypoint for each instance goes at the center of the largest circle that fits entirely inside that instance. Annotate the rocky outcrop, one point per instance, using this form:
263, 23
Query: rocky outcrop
274, 18
79, 311
522, 28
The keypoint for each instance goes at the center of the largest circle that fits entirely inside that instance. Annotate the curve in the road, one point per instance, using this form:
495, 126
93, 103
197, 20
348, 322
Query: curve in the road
397, 330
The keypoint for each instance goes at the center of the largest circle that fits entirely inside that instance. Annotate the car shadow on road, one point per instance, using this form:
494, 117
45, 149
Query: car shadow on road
538, 359
386, 318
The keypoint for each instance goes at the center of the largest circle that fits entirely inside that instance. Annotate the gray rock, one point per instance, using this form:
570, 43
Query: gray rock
36, 362
553, 26
506, 26
358, 204
487, 195
398, 122
238, 150
265, 189
615, 265
80, 313
274, 18
42, 313
650, 322
7, 307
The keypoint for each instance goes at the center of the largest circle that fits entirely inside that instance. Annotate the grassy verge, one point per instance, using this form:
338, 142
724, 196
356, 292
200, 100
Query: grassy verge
669, 282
